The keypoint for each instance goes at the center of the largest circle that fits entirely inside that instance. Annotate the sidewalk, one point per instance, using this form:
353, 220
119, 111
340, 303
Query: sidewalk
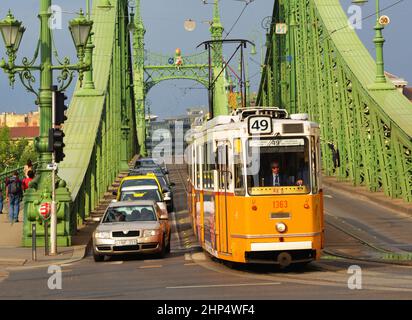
15, 257
363, 194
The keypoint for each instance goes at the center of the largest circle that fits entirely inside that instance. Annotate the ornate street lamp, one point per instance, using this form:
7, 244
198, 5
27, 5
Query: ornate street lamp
80, 29
380, 80
41, 187
11, 31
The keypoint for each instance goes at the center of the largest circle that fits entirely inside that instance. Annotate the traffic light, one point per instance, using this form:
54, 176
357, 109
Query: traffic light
56, 135
59, 107
56, 144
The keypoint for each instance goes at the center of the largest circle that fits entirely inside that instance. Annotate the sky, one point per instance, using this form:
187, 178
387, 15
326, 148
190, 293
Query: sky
164, 21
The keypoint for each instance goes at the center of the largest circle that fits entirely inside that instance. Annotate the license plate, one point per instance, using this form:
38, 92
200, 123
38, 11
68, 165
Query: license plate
125, 242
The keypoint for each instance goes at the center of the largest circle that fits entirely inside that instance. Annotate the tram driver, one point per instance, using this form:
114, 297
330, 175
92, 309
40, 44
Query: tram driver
276, 178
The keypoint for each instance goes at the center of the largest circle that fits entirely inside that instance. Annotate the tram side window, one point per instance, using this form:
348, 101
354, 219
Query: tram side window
238, 168
198, 166
314, 168
280, 162
208, 165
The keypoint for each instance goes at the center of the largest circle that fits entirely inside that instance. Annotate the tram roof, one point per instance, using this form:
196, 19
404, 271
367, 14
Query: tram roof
236, 121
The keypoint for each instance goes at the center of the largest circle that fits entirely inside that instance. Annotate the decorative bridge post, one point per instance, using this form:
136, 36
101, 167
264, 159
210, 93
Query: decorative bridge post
138, 31
220, 100
41, 187
150, 69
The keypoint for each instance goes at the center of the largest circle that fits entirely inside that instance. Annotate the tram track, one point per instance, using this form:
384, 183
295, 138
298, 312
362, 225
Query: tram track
384, 253
181, 218
368, 245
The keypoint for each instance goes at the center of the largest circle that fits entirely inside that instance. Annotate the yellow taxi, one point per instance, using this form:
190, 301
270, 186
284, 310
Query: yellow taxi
148, 179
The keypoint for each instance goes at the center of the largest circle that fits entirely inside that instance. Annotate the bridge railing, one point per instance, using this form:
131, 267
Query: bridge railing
9, 172
321, 67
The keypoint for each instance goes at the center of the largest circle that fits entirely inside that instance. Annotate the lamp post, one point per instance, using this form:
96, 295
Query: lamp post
380, 82
12, 32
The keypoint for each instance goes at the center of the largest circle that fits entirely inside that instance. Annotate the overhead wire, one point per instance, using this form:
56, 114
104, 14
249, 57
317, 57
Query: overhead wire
238, 18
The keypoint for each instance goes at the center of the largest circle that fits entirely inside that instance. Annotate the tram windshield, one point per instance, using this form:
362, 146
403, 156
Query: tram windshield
278, 166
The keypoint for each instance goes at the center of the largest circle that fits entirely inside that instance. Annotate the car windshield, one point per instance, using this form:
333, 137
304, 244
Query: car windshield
142, 171
163, 182
133, 195
145, 163
130, 214
139, 182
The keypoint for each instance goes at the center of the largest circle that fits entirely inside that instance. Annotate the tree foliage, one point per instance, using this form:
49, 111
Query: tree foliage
14, 153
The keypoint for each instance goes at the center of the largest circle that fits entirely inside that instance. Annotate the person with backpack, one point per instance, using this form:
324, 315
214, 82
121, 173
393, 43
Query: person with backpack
14, 195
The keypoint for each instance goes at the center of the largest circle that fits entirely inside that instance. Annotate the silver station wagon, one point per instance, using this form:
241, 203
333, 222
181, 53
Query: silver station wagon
132, 227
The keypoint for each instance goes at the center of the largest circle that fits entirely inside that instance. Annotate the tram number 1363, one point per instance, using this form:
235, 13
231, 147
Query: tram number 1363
260, 125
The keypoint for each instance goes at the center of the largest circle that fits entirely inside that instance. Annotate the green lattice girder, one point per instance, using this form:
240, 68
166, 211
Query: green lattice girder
158, 68
321, 67
100, 130
157, 74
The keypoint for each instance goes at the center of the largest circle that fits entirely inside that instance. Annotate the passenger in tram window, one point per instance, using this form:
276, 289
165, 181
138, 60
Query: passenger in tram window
275, 178
302, 176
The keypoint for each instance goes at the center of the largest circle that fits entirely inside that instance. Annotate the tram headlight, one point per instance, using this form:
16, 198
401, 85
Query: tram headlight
281, 227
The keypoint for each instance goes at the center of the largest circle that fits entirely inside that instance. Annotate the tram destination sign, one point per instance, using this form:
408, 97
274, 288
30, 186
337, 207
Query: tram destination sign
276, 142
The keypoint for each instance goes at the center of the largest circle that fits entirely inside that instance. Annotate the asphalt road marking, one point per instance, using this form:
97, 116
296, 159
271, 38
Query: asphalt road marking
115, 262
188, 257
328, 196
227, 285
67, 265
150, 267
66, 270
190, 264
176, 231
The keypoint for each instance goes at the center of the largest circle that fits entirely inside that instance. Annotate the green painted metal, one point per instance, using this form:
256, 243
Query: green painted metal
321, 67
152, 68
100, 136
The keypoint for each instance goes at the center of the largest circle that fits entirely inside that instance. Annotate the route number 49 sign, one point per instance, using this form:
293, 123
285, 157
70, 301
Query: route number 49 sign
260, 125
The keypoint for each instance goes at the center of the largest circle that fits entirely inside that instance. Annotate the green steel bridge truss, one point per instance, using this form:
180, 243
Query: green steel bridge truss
321, 67
100, 130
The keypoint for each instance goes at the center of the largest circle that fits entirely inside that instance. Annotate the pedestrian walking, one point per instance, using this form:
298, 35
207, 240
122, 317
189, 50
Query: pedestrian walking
14, 195
26, 181
28, 167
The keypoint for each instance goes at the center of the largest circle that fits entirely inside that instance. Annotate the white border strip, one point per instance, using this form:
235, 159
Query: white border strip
267, 246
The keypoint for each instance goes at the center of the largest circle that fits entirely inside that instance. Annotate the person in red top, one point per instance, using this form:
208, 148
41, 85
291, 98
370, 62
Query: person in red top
26, 181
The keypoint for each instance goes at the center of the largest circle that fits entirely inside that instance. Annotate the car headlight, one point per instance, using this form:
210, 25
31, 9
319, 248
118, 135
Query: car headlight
281, 227
102, 235
151, 233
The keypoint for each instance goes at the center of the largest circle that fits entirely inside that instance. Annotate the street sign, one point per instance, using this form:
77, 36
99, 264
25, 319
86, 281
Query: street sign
44, 210
52, 166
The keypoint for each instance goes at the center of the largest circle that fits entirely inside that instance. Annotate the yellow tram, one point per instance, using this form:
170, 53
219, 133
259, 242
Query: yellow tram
255, 192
